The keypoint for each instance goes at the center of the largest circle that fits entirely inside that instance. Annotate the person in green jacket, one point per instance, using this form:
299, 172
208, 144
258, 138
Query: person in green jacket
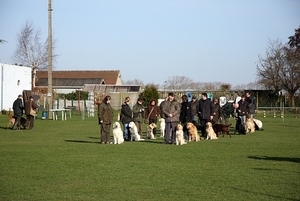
138, 111
105, 115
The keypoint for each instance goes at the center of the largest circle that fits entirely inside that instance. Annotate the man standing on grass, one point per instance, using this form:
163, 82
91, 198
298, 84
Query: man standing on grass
206, 112
252, 104
105, 115
170, 112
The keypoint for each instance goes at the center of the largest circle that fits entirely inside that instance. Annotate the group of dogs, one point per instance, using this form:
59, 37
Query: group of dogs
250, 125
212, 130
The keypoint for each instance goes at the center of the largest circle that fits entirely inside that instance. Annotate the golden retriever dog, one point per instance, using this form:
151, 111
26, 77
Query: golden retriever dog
210, 132
179, 135
117, 133
162, 127
249, 125
193, 132
150, 128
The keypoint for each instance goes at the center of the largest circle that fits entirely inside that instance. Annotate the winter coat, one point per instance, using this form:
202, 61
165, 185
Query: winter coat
126, 113
138, 111
168, 108
206, 109
194, 107
252, 104
243, 108
217, 112
185, 113
154, 114
228, 110
29, 104
18, 107
105, 113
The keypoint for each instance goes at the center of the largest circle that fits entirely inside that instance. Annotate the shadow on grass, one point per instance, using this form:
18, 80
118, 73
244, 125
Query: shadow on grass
268, 158
5, 128
81, 141
264, 194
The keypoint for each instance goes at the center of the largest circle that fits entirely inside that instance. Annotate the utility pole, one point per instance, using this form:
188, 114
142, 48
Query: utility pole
49, 94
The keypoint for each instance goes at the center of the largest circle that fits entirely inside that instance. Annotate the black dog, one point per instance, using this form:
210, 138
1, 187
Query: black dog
239, 127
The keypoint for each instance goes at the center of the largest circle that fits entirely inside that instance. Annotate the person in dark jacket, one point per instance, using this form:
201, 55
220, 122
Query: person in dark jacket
194, 108
18, 111
170, 110
185, 115
105, 115
138, 111
252, 104
154, 112
217, 112
243, 109
30, 105
227, 110
206, 112
126, 118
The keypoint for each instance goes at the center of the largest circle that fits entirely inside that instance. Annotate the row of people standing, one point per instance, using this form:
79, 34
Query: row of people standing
173, 112
137, 114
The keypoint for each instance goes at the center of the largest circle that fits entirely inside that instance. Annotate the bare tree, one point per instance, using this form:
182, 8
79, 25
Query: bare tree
178, 83
280, 69
134, 82
30, 51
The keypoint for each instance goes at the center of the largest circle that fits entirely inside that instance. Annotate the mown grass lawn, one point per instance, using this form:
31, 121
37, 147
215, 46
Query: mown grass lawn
63, 160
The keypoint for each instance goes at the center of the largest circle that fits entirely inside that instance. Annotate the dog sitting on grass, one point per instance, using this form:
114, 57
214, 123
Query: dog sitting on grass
249, 125
210, 132
193, 132
118, 133
179, 135
150, 128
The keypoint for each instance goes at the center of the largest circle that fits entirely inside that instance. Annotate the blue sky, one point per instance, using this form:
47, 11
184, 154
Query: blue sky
154, 40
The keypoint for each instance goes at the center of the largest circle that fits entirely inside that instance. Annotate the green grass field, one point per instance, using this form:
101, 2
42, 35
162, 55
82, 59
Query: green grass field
64, 160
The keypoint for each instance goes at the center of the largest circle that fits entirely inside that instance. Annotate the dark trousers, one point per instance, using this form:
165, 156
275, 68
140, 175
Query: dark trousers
203, 127
104, 131
153, 121
30, 121
139, 127
17, 124
170, 132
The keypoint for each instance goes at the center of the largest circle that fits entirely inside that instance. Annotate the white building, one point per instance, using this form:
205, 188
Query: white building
14, 79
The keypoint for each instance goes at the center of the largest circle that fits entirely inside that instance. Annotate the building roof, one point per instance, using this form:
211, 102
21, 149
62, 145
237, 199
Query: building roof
109, 76
69, 81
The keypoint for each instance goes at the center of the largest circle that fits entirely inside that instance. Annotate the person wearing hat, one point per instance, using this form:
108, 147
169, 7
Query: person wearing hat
30, 105
18, 111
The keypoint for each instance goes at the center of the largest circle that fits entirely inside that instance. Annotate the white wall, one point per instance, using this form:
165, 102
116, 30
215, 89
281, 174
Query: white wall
13, 80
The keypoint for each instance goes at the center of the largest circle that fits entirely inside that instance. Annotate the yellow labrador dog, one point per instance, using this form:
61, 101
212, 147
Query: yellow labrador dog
179, 135
210, 132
